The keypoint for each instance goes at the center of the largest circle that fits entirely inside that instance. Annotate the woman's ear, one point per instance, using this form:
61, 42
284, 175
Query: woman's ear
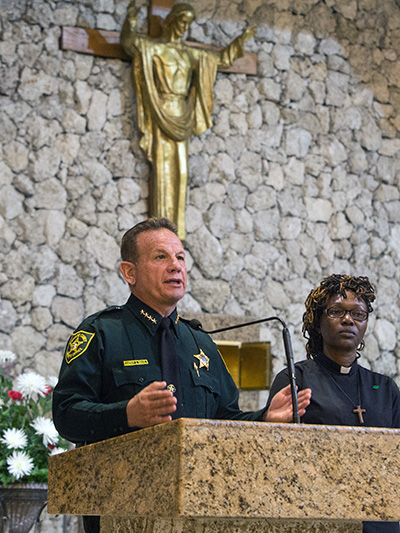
128, 271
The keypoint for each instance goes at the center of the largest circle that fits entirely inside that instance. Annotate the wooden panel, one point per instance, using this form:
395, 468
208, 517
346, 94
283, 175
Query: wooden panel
95, 42
106, 44
158, 10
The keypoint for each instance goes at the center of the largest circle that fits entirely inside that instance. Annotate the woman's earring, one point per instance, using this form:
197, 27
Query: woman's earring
361, 346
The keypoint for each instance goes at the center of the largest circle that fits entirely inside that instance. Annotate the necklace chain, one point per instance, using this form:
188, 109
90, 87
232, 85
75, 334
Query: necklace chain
357, 410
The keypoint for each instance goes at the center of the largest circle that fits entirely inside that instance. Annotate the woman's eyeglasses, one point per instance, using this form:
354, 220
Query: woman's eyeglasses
339, 312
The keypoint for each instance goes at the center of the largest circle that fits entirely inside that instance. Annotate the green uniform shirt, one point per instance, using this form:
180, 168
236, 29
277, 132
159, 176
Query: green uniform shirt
115, 353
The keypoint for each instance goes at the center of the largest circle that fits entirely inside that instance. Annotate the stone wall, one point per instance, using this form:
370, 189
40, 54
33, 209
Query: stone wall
297, 179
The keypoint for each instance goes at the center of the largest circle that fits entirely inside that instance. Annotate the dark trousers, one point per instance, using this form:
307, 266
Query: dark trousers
381, 527
91, 524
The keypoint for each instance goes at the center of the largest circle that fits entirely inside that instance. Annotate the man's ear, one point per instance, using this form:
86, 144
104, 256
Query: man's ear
128, 271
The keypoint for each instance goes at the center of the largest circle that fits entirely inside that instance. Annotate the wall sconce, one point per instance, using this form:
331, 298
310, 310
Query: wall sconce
249, 363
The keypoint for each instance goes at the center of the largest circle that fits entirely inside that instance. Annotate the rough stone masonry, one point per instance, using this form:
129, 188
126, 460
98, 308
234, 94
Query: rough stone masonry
298, 178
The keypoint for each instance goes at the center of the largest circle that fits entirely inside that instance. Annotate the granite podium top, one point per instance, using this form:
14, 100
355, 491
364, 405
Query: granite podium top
209, 468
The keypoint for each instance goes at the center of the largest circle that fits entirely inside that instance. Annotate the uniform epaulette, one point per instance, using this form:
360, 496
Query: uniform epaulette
91, 318
110, 308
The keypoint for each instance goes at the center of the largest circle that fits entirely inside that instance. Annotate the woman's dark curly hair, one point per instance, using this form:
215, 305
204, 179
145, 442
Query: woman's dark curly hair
317, 300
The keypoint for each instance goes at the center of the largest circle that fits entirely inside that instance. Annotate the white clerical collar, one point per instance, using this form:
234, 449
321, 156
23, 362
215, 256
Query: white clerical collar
345, 369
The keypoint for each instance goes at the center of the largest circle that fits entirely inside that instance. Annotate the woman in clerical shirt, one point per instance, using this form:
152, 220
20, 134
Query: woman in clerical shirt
343, 392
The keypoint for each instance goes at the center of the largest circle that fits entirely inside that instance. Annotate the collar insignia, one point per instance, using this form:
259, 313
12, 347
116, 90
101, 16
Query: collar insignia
204, 361
149, 317
177, 319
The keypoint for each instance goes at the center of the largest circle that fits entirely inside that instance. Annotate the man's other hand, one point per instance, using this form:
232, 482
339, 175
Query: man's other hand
281, 408
152, 405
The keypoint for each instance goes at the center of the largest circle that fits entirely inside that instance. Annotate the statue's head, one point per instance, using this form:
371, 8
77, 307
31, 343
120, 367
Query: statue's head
178, 21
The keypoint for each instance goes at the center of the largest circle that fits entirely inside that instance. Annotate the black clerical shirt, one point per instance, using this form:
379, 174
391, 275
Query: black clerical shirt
335, 394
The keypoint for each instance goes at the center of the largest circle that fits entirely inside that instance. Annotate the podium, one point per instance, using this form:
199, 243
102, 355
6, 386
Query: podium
209, 476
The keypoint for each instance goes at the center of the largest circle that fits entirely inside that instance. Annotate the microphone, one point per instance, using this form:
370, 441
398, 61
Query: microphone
196, 325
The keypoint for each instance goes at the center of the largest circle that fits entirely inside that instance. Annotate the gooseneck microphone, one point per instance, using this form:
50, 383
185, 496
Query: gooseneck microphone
196, 324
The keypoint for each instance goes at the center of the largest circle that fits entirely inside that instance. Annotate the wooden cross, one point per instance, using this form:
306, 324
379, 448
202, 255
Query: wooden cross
359, 412
106, 43
158, 10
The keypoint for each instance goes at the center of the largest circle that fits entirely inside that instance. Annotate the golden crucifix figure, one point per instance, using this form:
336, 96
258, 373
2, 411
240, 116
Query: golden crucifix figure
173, 84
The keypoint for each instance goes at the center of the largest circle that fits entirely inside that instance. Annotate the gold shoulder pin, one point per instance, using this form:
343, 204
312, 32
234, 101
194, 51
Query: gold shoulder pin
149, 317
77, 345
204, 361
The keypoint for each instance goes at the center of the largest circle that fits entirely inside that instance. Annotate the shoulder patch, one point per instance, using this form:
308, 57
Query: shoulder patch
77, 345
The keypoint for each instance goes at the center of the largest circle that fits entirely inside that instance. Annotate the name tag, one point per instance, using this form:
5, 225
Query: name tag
136, 362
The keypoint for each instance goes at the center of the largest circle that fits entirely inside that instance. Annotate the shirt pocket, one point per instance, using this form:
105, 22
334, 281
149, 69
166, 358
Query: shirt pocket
207, 393
131, 380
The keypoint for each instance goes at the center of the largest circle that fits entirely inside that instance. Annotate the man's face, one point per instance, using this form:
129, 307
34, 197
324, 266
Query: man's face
181, 24
160, 273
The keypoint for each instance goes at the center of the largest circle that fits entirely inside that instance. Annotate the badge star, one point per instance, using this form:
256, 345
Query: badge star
204, 361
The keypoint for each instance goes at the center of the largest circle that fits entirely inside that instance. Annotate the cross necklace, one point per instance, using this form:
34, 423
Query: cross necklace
357, 410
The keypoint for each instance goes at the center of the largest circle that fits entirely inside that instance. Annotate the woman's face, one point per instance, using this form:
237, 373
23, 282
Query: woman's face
342, 335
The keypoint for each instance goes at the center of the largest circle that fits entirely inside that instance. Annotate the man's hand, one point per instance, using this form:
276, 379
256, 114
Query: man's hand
281, 408
151, 406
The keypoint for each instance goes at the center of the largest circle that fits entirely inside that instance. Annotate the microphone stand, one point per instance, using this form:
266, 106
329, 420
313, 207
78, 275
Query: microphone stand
196, 324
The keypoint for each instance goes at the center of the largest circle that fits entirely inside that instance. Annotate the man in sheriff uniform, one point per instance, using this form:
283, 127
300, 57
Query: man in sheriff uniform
112, 378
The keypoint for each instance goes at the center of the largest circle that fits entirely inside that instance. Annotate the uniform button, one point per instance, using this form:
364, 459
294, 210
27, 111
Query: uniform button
141, 380
115, 430
92, 431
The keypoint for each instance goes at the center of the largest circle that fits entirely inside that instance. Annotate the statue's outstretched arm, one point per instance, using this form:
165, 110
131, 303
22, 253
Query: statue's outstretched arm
248, 33
235, 49
128, 32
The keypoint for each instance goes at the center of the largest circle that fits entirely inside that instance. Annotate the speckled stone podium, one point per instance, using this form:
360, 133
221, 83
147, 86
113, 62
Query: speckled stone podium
192, 476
